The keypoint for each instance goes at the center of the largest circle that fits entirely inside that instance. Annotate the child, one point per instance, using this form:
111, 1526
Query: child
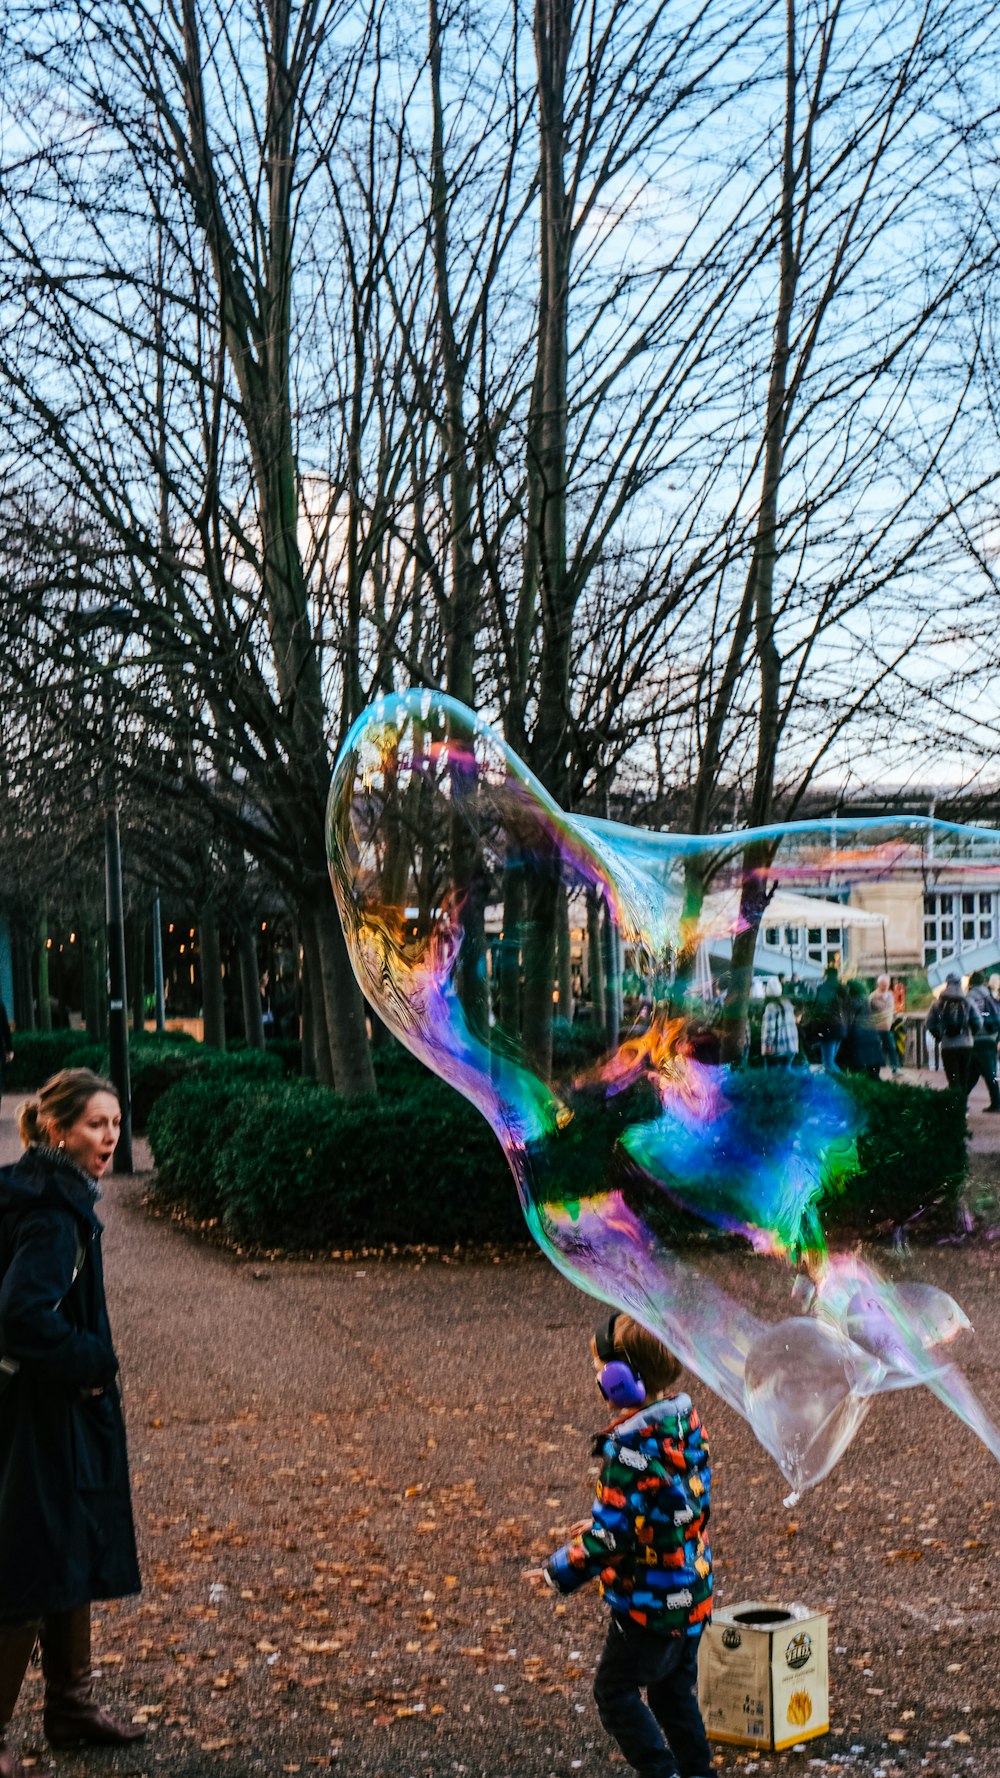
646, 1542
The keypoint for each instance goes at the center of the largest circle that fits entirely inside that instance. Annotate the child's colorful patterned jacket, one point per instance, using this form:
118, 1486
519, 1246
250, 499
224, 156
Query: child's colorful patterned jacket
647, 1541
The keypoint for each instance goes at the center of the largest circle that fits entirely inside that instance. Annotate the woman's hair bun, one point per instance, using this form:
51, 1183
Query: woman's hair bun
28, 1127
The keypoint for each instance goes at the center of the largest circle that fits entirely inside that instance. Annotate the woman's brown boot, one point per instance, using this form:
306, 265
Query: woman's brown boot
72, 1719
16, 1644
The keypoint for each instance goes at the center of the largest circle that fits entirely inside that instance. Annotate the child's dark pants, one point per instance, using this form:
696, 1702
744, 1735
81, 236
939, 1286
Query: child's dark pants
666, 1668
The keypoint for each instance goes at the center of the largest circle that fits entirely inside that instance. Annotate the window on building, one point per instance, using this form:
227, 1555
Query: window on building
944, 935
820, 944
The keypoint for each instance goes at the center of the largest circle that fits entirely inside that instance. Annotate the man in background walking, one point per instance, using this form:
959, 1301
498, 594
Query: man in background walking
984, 1045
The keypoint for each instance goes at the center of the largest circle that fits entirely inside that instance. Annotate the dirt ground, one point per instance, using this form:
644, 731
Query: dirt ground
340, 1470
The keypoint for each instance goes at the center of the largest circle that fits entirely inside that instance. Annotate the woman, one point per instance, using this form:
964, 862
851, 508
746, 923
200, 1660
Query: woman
883, 1006
829, 1023
66, 1533
861, 1050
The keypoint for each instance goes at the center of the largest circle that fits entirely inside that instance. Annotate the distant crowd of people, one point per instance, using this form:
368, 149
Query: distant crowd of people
851, 1029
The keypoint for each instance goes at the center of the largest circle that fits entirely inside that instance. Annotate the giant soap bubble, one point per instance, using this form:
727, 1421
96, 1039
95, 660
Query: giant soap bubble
480, 918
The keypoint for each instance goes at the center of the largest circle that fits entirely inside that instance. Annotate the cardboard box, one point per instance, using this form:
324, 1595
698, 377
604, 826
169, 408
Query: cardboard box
763, 1678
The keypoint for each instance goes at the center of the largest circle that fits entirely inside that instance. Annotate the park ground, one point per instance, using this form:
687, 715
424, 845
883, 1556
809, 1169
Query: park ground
341, 1468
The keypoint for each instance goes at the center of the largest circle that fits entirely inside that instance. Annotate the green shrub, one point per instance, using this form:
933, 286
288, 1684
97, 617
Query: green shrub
37, 1054
289, 1053
288, 1164
187, 1125
575, 1046
154, 1074
294, 1166
910, 1157
911, 1154
411, 1171
156, 1064
157, 1061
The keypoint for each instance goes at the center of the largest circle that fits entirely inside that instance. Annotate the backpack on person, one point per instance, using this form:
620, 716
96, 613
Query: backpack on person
986, 1007
954, 1017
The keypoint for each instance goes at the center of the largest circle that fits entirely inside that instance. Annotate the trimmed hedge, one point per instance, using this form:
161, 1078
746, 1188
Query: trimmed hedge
912, 1152
157, 1061
288, 1164
155, 1074
291, 1165
37, 1054
188, 1127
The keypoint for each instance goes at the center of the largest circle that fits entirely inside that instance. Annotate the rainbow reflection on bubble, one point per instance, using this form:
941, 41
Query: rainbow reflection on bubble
476, 912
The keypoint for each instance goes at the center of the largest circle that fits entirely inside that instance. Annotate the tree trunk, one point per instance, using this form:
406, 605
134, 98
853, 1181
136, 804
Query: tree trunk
313, 1009
307, 1034
471, 981
754, 898
95, 998
687, 950
44, 997
253, 1018
343, 1005
136, 926
754, 895
539, 950
212, 993
548, 428
611, 950
24, 992
756, 606
257, 325
547, 439
508, 954
564, 962
464, 607
596, 962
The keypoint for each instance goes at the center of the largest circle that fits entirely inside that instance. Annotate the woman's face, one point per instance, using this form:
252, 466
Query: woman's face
92, 1140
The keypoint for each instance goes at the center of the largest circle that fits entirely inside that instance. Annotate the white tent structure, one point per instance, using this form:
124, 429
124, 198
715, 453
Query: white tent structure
791, 917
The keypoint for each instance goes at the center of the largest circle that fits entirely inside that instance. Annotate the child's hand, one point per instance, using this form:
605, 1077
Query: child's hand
580, 1527
537, 1579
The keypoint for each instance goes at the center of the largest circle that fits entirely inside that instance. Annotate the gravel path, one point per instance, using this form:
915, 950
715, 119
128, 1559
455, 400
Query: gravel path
340, 1470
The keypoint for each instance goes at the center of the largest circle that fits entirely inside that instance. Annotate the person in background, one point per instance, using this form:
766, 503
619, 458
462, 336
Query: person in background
830, 1022
899, 996
779, 1034
6, 1043
955, 1023
883, 1010
861, 1050
984, 1045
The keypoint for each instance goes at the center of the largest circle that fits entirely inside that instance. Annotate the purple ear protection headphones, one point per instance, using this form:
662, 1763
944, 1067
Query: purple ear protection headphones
618, 1382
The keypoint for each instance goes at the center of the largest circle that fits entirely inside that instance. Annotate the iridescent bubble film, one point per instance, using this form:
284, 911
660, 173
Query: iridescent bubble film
586, 985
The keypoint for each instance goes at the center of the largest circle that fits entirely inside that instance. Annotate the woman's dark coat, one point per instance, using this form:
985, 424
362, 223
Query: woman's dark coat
66, 1533
862, 1047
